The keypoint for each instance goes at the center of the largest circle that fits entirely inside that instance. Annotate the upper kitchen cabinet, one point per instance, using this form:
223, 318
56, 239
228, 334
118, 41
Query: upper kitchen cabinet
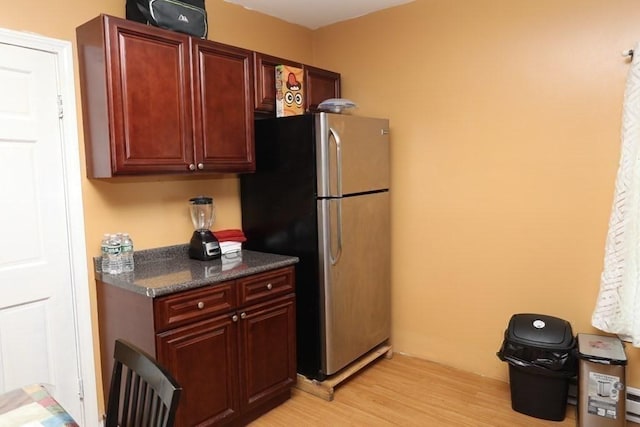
223, 107
319, 84
265, 81
156, 101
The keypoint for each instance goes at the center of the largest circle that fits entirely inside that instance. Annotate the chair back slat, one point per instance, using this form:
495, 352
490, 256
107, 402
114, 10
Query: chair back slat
157, 410
148, 396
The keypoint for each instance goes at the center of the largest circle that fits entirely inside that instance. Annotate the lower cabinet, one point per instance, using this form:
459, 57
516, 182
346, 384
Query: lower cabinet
231, 346
204, 359
265, 334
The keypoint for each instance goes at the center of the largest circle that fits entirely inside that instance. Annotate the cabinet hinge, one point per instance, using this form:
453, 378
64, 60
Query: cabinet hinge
60, 108
80, 389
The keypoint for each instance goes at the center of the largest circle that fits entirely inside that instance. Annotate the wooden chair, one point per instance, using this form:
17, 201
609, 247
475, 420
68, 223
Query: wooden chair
142, 393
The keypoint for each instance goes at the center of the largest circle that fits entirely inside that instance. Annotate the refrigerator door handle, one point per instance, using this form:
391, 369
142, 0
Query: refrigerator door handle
338, 142
336, 258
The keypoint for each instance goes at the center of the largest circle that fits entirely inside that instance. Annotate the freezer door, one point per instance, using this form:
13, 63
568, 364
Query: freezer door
356, 279
352, 154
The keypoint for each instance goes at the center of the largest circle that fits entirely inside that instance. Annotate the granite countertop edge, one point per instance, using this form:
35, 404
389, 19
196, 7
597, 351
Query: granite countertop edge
167, 270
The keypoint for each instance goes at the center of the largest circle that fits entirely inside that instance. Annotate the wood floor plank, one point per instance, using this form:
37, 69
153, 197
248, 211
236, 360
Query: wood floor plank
406, 391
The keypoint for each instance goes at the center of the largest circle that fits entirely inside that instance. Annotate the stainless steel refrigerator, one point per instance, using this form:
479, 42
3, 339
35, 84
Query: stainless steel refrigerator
321, 192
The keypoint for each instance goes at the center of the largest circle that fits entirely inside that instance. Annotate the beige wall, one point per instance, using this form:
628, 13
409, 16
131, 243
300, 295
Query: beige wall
505, 125
505, 119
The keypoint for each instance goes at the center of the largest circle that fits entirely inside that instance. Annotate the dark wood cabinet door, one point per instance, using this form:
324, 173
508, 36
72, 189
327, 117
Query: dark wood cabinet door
150, 98
267, 350
203, 357
319, 85
265, 81
223, 107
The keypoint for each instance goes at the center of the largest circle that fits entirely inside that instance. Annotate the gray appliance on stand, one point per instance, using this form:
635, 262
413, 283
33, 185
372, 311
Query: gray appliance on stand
321, 192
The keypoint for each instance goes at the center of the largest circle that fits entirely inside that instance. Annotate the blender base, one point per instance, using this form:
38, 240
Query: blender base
204, 246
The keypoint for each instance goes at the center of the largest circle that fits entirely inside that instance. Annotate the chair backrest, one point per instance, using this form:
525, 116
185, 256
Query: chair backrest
142, 393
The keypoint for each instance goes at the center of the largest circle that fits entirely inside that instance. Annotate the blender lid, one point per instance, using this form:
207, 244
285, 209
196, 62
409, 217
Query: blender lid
201, 200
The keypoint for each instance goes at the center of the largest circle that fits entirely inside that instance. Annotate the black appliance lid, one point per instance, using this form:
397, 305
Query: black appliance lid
539, 330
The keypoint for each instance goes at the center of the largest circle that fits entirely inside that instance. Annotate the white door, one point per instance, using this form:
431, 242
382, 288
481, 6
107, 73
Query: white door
39, 333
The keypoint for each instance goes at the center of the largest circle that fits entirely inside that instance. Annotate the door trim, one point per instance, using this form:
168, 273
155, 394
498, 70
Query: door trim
74, 212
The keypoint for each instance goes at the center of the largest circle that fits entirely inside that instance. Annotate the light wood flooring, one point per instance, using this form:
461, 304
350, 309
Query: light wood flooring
406, 391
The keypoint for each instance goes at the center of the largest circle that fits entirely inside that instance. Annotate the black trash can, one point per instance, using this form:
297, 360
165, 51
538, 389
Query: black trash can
540, 352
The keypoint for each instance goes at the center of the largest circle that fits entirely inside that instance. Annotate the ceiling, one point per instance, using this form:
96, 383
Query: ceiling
314, 14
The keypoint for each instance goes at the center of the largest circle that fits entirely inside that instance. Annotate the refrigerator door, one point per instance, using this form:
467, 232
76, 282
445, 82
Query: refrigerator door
356, 306
352, 154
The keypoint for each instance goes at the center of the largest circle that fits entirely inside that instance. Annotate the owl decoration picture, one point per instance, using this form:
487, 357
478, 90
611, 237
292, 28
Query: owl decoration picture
289, 91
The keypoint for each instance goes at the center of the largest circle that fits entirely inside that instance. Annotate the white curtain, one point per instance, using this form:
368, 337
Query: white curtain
618, 306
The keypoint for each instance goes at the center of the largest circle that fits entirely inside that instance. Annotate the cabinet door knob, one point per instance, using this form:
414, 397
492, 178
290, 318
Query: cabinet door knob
200, 305
192, 167
269, 286
200, 166
234, 317
243, 315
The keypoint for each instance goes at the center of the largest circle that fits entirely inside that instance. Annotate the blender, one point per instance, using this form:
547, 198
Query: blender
204, 245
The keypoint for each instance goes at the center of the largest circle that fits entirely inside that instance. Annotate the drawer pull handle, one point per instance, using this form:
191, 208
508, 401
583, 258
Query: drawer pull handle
200, 305
269, 286
243, 315
234, 317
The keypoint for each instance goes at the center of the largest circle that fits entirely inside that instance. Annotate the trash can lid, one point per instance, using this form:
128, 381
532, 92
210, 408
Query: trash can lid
539, 330
601, 349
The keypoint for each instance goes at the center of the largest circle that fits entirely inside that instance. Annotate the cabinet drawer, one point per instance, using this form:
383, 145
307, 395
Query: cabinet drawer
266, 285
197, 304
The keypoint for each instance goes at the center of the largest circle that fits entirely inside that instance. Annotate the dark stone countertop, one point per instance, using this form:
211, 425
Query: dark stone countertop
168, 270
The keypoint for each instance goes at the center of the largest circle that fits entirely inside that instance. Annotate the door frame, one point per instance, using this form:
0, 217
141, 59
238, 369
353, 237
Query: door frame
72, 178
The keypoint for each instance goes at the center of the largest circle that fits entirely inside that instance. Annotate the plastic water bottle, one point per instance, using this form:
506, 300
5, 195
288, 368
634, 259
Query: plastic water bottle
114, 255
104, 250
127, 253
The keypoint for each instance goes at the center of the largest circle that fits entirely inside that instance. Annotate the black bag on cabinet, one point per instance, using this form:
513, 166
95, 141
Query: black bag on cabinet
184, 16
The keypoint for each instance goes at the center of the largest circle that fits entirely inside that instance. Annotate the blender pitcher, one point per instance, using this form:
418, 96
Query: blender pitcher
204, 245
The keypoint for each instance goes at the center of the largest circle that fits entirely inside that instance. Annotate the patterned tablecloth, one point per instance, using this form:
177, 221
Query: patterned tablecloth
32, 406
